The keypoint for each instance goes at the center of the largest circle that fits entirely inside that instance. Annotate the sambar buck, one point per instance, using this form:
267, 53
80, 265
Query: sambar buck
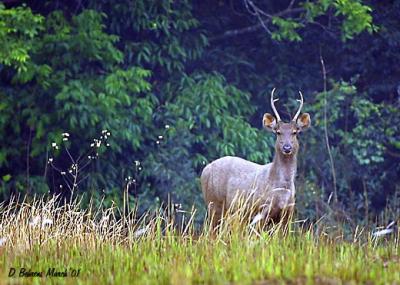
270, 187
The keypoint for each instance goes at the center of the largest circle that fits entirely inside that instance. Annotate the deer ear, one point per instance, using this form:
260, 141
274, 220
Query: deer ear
269, 122
303, 122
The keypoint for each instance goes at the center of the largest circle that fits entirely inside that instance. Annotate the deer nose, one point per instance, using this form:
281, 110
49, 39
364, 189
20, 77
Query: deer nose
287, 148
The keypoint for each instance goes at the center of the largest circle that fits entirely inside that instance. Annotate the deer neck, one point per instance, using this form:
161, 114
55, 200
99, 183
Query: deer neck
283, 171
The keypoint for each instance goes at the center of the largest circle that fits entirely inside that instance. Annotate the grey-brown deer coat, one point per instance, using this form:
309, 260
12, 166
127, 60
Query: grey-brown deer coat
269, 187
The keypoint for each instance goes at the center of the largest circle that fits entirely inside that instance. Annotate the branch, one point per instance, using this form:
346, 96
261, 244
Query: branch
237, 32
392, 153
253, 28
335, 198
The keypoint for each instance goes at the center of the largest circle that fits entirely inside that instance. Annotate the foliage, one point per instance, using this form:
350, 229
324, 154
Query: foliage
18, 29
286, 29
358, 134
180, 83
74, 84
355, 15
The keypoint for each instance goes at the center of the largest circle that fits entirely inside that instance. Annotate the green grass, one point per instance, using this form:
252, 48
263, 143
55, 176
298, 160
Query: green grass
108, 250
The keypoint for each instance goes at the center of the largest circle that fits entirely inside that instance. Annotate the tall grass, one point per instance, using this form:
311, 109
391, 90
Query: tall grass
113, 246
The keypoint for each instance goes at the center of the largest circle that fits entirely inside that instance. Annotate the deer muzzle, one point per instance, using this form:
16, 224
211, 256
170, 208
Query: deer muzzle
287, 148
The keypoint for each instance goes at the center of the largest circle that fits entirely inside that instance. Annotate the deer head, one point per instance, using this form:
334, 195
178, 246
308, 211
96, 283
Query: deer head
286, 144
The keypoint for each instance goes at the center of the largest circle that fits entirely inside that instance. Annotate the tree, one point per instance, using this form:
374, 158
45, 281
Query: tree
180, 83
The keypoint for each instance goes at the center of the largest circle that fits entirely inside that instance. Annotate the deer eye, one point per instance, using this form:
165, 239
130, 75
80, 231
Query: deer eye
295, 132
278, 132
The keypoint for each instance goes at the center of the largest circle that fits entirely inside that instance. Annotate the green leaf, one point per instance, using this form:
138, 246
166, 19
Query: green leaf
6, 177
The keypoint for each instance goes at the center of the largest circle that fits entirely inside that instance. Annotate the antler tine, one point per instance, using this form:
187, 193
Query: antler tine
301, 100
273, 105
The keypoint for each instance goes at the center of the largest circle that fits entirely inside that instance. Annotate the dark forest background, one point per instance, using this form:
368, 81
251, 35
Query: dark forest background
100, 97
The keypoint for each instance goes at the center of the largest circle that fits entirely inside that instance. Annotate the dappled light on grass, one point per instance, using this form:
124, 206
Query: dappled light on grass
157, 248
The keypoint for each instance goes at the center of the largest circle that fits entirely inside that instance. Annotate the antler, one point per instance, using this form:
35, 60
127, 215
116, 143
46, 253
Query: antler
273, 105
301, 100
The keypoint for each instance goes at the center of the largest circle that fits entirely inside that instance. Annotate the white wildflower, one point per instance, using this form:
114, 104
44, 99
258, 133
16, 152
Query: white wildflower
167, 126
65, 139
50, 159
160, 137
137, 162
65, 134
157, 142
53, 144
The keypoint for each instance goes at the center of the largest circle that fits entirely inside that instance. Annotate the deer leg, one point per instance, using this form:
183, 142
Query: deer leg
286, 216
278, 209
215, 211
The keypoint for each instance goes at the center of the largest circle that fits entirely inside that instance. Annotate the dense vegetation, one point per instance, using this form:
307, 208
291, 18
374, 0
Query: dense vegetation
100, 96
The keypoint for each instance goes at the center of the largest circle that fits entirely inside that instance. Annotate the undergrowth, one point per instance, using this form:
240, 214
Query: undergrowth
116, 246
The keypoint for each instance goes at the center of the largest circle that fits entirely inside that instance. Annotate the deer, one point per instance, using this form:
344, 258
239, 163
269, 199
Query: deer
270, 187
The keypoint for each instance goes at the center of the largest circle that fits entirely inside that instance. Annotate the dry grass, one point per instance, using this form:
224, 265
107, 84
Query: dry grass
113, 246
